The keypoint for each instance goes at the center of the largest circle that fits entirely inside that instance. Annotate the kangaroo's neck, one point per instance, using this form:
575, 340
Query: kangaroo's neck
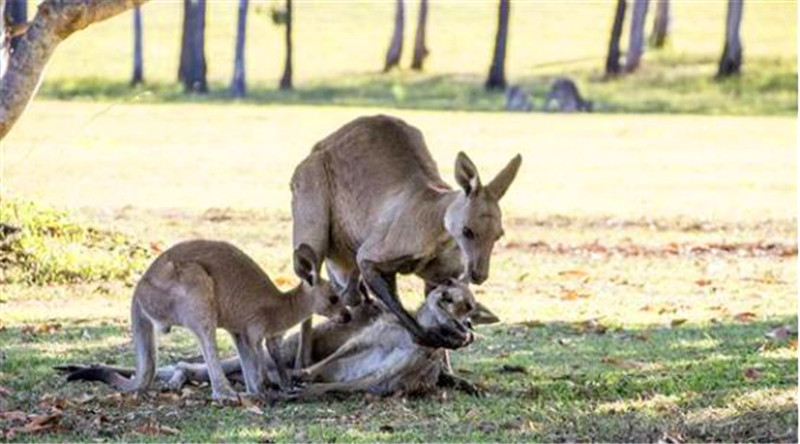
438, 203
296, 306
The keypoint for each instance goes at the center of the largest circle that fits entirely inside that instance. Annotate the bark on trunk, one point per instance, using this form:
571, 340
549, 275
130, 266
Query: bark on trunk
138, 60
661, 24
192, 68
731, 62
420, 49
636, 44
55, 20
396, 44
17, 13
612, 61
238, 83
497, 70
286, 79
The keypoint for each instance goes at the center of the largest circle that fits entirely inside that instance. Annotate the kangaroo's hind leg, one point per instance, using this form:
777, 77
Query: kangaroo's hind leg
196, 308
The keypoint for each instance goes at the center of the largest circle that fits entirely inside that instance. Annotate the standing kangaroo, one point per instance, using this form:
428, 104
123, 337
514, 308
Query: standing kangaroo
369, 201
205, 285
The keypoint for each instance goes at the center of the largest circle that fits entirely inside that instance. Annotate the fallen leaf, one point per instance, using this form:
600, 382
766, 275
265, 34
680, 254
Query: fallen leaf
169, 430
746, 316
38, 423
573, 273
702, 282
751, 374
572, 295
13, 415
677, 322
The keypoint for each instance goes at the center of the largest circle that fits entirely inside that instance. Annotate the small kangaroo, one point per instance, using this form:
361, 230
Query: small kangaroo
370, 202
517, 99
328, 337
204, 285
565, 94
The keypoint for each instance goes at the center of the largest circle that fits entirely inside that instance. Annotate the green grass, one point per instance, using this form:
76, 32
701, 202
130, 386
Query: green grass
52, 249
648, 220
340, 48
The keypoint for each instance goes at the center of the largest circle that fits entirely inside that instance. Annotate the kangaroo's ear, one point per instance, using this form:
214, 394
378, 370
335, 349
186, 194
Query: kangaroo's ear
305, 264
482, 315
467, 174
499, 185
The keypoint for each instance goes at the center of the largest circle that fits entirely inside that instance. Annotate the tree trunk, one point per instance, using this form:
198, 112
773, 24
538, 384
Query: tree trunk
612, 61
636, 42
497, 71
17, 14
661, 24
286, 79
396, 45
138, 61
239, 84
55, 20
731, 62
192, 68
420, 49
5, 44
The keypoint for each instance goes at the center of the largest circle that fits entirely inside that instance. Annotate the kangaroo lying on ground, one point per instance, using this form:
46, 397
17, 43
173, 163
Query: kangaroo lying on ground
369, 201
395, 362
328, 337
205, 285
565, 94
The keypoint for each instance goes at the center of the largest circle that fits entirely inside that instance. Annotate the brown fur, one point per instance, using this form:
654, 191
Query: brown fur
369, 201
205, 285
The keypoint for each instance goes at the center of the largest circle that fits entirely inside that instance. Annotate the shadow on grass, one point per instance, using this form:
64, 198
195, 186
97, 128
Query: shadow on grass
667, 84
724, 382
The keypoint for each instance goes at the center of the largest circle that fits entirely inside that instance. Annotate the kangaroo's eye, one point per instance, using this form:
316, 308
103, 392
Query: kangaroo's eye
467, 233
334, 299
446, 297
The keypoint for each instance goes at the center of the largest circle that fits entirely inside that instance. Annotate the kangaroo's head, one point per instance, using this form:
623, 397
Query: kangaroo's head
474, 218
325, 300
449, 307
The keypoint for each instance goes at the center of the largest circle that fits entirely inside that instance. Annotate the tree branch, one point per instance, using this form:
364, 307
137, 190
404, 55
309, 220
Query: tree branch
55, 20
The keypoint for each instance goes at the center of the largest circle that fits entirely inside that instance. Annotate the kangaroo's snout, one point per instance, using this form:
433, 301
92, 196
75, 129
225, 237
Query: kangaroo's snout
344, 317
478, 277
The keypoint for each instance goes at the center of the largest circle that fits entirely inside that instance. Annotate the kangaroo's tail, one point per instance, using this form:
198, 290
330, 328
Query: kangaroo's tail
144, 342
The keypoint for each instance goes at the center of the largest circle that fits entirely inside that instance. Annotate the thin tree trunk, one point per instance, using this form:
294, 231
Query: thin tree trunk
138, 60
636, 43
17, 13
286, 79
420, 49
396, 44
497, 70
192, 68
239, 84
661, 24
731, 62
612, 61
5, 43
55, 20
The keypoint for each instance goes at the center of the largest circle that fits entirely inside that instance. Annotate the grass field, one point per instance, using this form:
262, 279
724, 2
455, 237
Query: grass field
340, 50
649, 267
